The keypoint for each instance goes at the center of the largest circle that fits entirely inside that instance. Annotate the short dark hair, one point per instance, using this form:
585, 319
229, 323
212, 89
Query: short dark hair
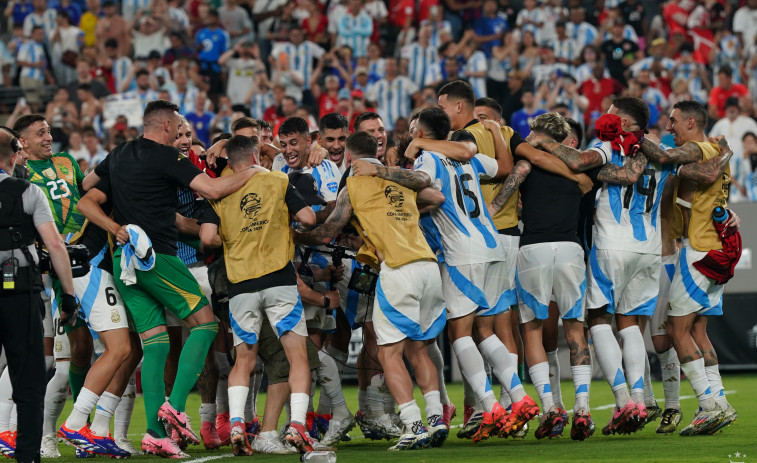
219, 137
23, 122
214, 12
243, 123
86, 86
634, 107
725, 69
142, 72
576, 128
362, 145
333, 121
294, 126
435, 122
366, 116
490, 103
158, 109
693, 109
198, 142
111, 43
460, 90
240, 148
264, 124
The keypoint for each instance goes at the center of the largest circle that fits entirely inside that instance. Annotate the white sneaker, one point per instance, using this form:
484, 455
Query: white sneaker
337, 430
391, 430
268, 442
49, 447
125, 444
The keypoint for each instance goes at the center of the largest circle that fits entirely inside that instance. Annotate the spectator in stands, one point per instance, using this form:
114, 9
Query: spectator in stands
113, 26
84, 75
355, 28
144, 90
422, 59
579, 30
596, 89
619, 52
33, 63
315, 24
65, 44
725, 89
490, 27
75, 146
184, 92
633, 14
236, 21
743, 181
242, 66
178, 49
96, 153
393, 94
283, 24
734, 126
211, 42
530, 18
200, 119
41, 16
88, 22
513, 97
62, 115
91, 108
745, 25
18, 10
521, 119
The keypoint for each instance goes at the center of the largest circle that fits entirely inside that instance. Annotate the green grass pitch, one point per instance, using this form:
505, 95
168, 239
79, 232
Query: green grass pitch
737, 443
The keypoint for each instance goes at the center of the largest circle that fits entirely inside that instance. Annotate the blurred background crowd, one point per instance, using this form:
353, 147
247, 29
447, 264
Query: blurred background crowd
91, 66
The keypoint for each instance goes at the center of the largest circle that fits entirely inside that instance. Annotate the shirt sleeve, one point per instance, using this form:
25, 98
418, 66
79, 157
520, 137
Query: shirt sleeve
295, 202
425, 163
104, 185
515, 141
181, 171
463, 135
36, 204
101, 170
329, 181
605, 150
485, 166
208, 215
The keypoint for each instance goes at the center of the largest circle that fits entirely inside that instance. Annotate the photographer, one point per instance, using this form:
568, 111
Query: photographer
26, 213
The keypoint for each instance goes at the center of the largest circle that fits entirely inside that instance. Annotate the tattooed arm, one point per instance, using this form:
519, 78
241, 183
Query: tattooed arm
578, 161
332, 226
325, 212
513, 181
689, 152
627, 174
544, 161
709, 171
413, 180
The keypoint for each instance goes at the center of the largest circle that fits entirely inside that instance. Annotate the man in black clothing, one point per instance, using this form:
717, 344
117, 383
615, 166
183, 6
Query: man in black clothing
619, 52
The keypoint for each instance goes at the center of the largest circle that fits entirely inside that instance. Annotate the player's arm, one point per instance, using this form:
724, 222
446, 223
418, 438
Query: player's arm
412, 179
501, 151
209, 235
511, 185
456, 150
578, 161
58, 255
549, 163
709, 171
90, 206
627, 174
187, 226
332, 226
429, 198
312, 297
217, 188
689, 152
325, 212
299, 209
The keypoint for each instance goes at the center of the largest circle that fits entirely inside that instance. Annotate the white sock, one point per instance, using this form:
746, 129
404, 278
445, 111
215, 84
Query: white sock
374, 398
469, 396
582, 384
697, 377
106, 407
435, 354
6, 401
55, 398
716, 385
331, 386
472, 366
610, 360
340, 357
85, 403
122, 417
222, 396
390, 405
249, 403
433, 404
299, 402
648, 392
540, 377
49, 362
362, 400
671, 378
208, 413
237, 402
410, 414
634, 353
554, 378
496, 354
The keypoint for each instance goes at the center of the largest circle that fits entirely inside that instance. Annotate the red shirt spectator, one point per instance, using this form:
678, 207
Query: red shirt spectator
675, 18
722, 92
400, 11
596, 89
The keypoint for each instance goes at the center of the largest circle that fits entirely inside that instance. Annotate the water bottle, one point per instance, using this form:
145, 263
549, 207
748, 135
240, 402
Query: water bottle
318, 457
719, 215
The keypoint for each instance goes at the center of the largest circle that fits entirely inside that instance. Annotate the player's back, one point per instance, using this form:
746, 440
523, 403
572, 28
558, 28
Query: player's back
466, 231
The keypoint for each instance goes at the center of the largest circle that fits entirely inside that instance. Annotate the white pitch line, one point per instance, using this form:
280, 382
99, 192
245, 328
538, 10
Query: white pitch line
214, 457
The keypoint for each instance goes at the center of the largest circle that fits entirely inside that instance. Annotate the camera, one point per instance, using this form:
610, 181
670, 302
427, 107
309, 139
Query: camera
78, 255
363, 279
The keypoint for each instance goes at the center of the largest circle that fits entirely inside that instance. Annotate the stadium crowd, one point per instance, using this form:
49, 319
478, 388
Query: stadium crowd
254, 180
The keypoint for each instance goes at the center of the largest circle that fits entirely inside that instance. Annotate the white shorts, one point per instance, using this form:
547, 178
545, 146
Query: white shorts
692, 292
626, 282
551, 271
101, 304
61, 346
282, 306
510, 245
317, 318
48, 329
478, 288
408, 303
658, 324
200, 271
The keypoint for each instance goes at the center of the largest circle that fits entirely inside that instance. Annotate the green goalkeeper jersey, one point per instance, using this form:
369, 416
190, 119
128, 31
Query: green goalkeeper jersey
60, 178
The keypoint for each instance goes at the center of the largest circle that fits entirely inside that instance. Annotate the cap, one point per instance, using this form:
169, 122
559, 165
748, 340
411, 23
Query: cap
357, 94
306, 187
344, 94
657, 42
361, 70
154, 54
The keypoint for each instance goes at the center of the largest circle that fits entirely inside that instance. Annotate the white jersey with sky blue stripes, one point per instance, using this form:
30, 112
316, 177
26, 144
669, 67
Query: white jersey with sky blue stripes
628, 217
465, 229
326, 176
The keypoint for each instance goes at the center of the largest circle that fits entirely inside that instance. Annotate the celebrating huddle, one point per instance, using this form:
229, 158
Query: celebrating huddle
259, 258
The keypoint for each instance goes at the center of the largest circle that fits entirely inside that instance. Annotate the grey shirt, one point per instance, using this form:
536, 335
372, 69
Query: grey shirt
36, 205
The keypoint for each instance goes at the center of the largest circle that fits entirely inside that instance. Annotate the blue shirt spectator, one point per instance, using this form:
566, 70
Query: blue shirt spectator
211, 42
521, 119
490, 27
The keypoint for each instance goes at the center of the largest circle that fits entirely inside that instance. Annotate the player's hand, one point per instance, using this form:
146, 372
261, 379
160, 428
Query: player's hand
316, 156
333, 299
584, 183
69, 309
336, 272
721, 142
733, 220
214, 152
412, 150
491, 125
363, 168
122, 236
390, 157
269, 151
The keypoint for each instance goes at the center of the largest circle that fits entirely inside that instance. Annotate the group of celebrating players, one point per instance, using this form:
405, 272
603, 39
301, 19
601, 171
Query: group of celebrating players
299, 240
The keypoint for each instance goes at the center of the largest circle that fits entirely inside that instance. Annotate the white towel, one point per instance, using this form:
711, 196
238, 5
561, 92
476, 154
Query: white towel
137, 255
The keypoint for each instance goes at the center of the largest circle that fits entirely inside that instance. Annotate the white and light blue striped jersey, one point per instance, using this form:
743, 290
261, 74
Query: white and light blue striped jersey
129, 8
646, 64
376, 70
464, 227
121, 70
32, 52
47, 20
627, 216
185, 100
419, 60
629, 33
355, 32
146, 97
566, 49
654, 96
300, 58
584, 34
392, 98
687, 71
260, 102
326, 175
536, 15
477, 63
